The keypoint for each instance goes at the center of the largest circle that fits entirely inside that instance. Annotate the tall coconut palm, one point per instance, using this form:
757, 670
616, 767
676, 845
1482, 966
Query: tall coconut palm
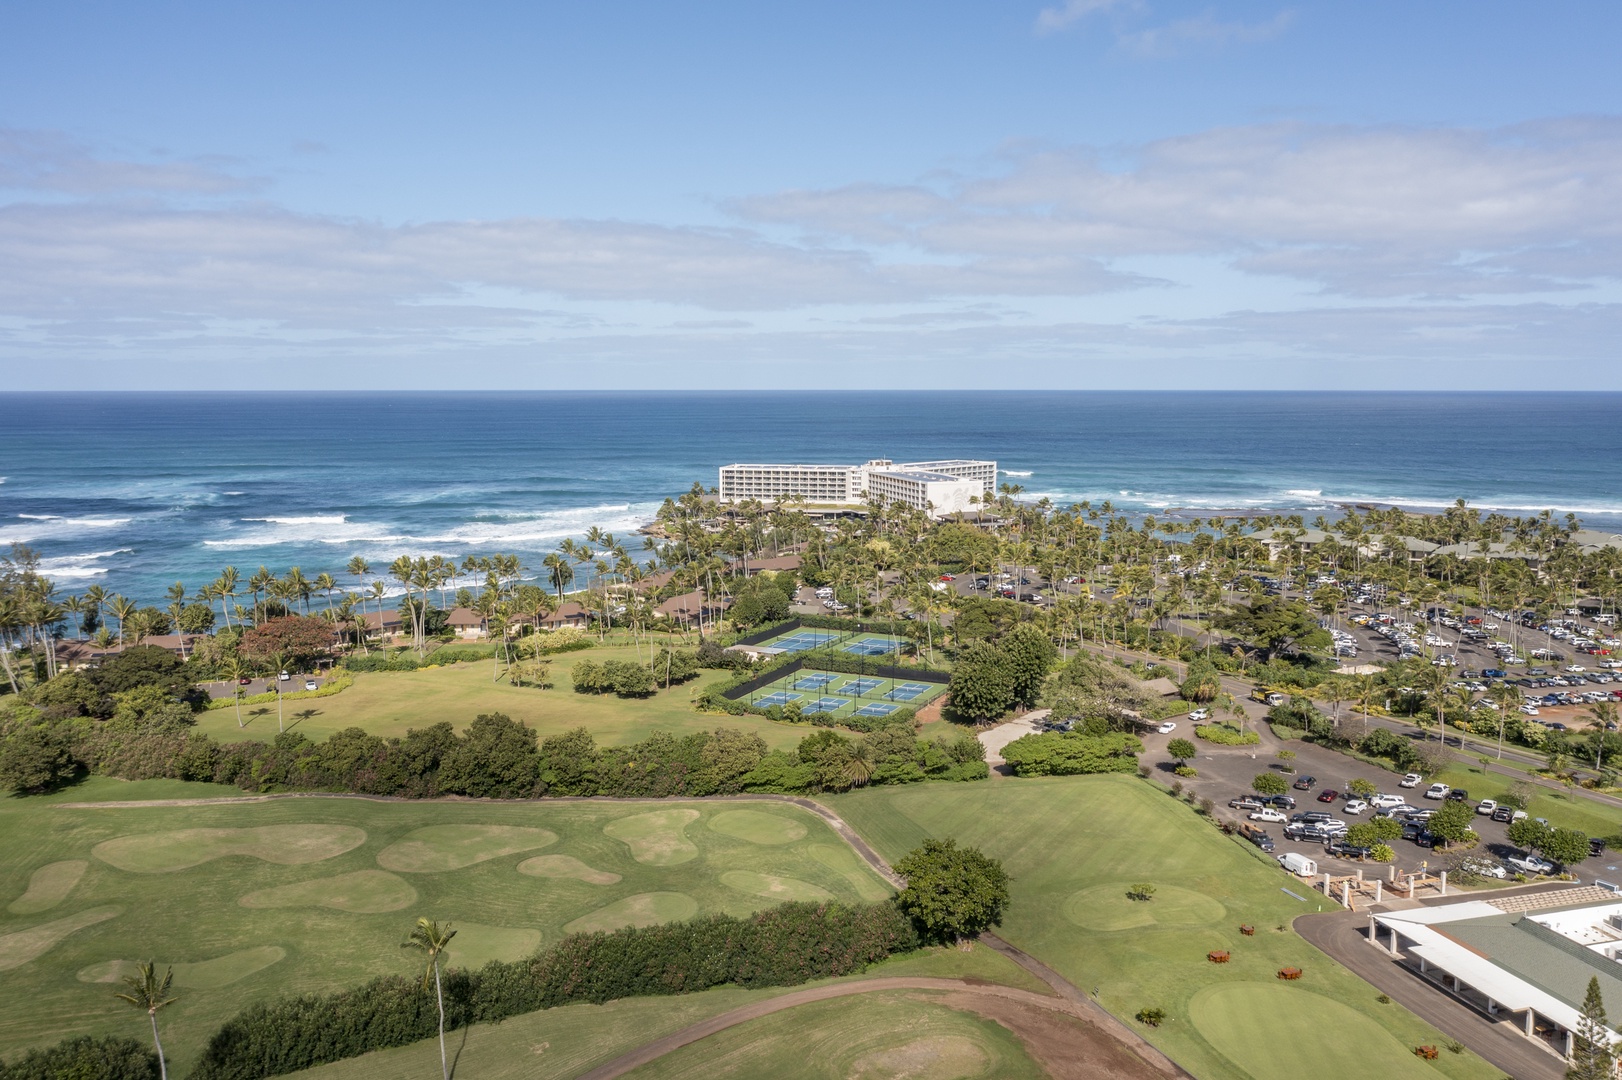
177, 604
432, 938
148, 992
123, 609
324, 582
558, 571
76, 606
234, 669
226, 589
95, 599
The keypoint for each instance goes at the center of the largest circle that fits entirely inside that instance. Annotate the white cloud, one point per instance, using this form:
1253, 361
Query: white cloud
49, 161
1202, 32
1051, 20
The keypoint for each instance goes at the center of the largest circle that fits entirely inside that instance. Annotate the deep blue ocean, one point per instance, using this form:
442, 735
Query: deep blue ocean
135, 491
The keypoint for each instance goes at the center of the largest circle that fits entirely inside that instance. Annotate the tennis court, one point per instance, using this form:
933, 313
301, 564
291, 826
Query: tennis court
873, 646
804, 640
838, 694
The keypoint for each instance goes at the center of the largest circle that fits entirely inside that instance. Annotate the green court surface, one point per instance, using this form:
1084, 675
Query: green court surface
842, 695
855, 642
1074, 846
316, 894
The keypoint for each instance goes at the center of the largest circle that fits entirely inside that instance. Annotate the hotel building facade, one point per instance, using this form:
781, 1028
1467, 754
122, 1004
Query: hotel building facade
940, 487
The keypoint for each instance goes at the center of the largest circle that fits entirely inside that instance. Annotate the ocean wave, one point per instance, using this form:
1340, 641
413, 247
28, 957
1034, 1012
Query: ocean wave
40, 517
534, 531
311, 519
55, 528
1017, 472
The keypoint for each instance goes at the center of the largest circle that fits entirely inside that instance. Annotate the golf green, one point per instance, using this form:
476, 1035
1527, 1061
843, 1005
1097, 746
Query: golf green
49, 886
438, 848
360, 891
181, 849
1107, 907
644, 909
657, 838
758, 826
204, 975
773, 886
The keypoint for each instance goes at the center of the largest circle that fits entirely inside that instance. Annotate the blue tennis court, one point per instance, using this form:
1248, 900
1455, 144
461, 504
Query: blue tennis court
803, 640
871, 647
861, 687
814, 681
876, 708
779, 697
826, 704
906, 692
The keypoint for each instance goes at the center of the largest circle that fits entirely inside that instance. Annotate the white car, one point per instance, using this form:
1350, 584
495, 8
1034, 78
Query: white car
1486, 806
1267, 815
1167, 728
1413, 779
1198, 715
1437, 791
1530, 864
1356, 806
1576, 669
1387, 802
1484, 868
311, 684
1529, 710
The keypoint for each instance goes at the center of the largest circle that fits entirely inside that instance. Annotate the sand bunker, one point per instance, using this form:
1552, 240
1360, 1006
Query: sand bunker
204, 975
656, 838
565, 866
19, 948
644, 909
288, 845
1106, 907
364, 891
772, 887
475, 945
758, 827
49, 886
438, 848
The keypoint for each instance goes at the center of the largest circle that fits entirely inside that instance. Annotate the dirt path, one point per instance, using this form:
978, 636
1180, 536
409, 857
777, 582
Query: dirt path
1061, 1037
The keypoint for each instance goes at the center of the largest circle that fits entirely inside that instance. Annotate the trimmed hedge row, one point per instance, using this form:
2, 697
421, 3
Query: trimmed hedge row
784, 946
84, 1058
1223, 735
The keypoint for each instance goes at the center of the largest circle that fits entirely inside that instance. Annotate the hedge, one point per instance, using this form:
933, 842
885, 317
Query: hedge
84, 1058
784, 946
1223, 735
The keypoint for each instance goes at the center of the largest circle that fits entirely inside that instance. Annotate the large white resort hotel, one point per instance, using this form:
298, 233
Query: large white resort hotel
940, 487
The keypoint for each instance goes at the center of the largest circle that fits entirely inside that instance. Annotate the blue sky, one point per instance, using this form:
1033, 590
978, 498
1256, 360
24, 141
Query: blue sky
1078, 193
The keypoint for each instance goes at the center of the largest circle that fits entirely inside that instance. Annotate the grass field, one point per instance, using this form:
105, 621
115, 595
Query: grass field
555, 1044
392, 702
1567, 810
1074, 845
873, 1036
254, 900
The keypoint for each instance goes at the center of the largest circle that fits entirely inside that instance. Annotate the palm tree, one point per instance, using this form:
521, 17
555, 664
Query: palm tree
1506, 697
277, 662
235, 669
325, 583
147, 992
123, 608
432, 938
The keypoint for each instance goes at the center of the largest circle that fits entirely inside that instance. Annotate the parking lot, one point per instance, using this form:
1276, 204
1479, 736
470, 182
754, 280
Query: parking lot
1225, 773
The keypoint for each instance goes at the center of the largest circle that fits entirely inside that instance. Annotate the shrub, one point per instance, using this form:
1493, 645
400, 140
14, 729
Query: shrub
1067, 753
84, 1058
1226, 735
1186, 771
1151, 1017
1268, 784
1382, 853
785, 946
1142, 891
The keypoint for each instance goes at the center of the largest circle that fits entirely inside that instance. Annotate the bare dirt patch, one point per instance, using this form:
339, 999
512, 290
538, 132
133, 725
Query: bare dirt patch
1067, 1047
49, 886
566, 866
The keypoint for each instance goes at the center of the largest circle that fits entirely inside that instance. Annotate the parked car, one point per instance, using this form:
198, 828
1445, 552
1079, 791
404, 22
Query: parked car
1305, 783
1245, 802
1312, 817
1596, 847
311, 684
1412, 779
1383, 801
1486, 806
1347, 851
1484, 868
1503, 813
1437, 791
283, 677
1283, 802
1458, 795
1167, 728
1261, 840
1328, 795
1199, 714
1529, 864
1355, 806
1268, 815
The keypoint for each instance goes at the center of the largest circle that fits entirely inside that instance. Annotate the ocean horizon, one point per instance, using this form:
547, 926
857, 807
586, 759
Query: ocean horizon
136, 490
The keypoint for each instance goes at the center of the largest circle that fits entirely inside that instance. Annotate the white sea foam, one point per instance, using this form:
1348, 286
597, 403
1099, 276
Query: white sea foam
39, 527
1305, 493
1017, 472
233, 493
40, 517
312, 519
76, 567
521, 532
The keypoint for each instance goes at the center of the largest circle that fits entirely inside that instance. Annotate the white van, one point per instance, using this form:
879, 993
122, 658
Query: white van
1299, 865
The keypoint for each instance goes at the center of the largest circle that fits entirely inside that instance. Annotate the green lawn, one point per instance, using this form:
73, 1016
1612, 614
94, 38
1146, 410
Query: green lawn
391, 703
1073, 846
555, 1044
255, 900
1564, 809
876, 1035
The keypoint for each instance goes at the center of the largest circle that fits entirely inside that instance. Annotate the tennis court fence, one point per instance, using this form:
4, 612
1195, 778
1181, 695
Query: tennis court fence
844, 630
883, 671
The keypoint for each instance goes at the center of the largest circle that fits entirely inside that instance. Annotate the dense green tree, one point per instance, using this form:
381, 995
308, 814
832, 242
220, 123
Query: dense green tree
35, 757
1452, 822
568, 763
1592, 1054
1378, 831
1269, 784
952, 892
1029, 656
1202, 683
1568, 847
1181, 750
1068, 753
495, 759
1278, 627
982, 687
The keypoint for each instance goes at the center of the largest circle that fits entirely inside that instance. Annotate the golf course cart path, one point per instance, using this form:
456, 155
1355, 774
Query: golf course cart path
963, 989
